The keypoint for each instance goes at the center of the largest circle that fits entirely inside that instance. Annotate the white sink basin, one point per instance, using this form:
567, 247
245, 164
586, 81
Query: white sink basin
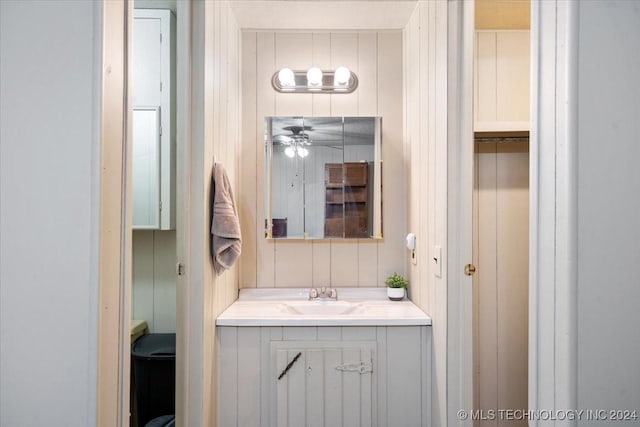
323, 307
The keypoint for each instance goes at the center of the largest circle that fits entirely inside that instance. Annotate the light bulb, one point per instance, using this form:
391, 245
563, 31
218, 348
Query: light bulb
286, 77
341, 76
289, 151
314, 76
303, 152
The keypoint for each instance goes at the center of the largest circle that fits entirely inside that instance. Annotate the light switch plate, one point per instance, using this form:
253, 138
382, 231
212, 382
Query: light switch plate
437, 260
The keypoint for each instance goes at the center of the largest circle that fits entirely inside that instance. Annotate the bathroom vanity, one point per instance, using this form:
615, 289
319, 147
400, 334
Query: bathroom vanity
362, 360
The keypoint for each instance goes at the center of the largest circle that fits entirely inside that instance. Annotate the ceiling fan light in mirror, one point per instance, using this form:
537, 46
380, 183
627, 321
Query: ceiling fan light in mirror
303, 152
289, 152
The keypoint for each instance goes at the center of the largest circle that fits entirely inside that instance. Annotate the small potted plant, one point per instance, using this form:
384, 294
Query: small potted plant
396, 285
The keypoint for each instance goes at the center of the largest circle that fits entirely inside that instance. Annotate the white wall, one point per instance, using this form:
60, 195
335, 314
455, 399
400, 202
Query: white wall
425, 98
376, 58
49, 157
212, 130
584, 287
608, 205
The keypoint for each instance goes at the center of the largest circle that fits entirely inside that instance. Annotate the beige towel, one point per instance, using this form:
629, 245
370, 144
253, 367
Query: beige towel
225, 226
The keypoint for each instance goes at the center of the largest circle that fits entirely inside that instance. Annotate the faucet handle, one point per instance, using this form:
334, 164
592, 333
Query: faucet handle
333, 293
313, 293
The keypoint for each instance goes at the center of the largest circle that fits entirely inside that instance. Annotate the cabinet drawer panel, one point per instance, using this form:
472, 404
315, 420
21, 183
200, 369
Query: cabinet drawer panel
355, 174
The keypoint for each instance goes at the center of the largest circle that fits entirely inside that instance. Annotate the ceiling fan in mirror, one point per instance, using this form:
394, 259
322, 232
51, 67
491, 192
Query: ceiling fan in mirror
296, 141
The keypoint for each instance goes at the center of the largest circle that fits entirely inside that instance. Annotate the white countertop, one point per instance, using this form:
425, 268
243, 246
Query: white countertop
291, 307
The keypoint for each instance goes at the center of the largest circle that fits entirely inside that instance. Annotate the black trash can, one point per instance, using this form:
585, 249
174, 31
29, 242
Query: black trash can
154, 368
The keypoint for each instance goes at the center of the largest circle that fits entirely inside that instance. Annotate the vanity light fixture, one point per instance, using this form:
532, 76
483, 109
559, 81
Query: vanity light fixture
314, 76
314, 80
286, 78
341, 76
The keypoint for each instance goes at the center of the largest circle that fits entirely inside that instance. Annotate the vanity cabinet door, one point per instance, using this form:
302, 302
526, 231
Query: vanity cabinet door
324, 387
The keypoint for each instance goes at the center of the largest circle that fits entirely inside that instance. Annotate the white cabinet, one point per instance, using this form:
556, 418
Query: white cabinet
153, 82
501, 80
345, 376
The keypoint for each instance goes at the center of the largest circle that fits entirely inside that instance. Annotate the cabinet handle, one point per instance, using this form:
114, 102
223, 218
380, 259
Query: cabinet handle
362, 367
295, 359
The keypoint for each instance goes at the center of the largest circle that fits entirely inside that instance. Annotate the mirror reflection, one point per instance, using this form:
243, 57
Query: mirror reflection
323, 177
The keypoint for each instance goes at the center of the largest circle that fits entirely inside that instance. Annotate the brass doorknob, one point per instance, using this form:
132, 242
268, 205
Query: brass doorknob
469, 269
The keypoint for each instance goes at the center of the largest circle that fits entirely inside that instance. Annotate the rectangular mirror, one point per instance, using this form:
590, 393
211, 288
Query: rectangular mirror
323, 177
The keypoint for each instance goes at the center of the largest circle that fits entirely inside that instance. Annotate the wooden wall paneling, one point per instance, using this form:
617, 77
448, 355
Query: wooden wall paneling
512, 231
367, 263
265, 106
512, 76
438, 286
250, 150
487, 375
293, 50
321, 57
142, 273
228, 381
344, 263
249, 359
368, 106
344, 52
391, 252
367, 91
341, 263
292, 261
424, 253
321, 264
164, 283
486, 65
413, 138
427, 301
344, 254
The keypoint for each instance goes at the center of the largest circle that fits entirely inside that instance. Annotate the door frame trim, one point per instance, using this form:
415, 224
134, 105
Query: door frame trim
114, 288
460, 210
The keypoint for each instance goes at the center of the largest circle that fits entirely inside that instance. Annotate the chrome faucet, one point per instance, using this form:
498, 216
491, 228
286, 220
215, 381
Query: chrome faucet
323, 292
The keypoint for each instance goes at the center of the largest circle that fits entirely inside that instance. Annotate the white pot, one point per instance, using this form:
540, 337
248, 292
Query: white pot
396, 294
